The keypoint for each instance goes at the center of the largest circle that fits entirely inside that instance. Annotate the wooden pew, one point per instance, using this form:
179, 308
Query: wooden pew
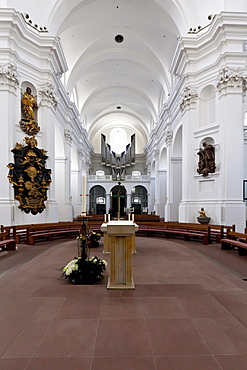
50, 231
167, 229
217, 232
36, 232
146, 218
235, 240
6, 243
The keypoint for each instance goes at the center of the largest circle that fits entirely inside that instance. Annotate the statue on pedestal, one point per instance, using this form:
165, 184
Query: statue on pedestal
29, 105
206, 162
203, 219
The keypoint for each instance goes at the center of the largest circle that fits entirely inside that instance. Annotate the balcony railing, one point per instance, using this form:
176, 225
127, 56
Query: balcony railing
127, 178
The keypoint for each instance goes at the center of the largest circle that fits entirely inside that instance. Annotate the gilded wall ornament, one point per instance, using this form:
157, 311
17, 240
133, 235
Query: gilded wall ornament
29, 177
29, 106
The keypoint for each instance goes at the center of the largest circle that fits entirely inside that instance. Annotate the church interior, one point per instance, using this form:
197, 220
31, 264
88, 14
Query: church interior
134, 111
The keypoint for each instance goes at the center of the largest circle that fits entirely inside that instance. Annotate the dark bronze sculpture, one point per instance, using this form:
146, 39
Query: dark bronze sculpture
206, 162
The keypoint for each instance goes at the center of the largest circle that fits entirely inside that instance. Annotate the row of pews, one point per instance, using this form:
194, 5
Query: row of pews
148, 226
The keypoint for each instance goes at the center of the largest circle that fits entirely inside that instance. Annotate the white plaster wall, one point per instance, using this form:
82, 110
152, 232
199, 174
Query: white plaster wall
36, 61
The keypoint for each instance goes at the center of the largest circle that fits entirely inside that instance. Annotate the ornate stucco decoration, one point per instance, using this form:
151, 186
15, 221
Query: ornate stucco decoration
168, 137
29, 176
88, 164
188, 98
28, 107
48, 94
67, 135
156, 154
230, 78
9, 76
148, 166
80, 153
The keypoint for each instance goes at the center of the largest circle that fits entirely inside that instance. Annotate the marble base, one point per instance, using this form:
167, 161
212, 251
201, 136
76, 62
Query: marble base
120, 286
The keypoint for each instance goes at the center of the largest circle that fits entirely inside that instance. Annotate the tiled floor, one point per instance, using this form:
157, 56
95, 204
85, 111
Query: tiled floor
188, 310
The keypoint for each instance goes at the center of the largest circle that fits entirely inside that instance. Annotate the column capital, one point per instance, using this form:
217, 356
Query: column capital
68, 136
188, 98
48, 95
232, 79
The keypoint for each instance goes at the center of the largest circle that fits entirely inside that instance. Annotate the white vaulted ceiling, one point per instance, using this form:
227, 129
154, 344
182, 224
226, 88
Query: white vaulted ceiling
134, 75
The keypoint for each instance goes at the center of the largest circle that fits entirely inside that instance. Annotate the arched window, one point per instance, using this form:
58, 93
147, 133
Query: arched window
97, 200
139, 199
118, 140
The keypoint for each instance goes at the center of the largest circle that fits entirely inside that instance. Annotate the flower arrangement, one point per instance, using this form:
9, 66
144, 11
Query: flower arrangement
93, 239
84, 271
95, 236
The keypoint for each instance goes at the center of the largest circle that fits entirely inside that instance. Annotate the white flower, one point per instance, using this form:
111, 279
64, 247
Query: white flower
93, 259
70, 267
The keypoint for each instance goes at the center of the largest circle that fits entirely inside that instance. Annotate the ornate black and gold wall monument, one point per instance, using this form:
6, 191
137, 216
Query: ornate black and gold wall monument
29, 176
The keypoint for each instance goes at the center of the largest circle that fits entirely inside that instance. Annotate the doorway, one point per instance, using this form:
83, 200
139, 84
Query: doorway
118, 199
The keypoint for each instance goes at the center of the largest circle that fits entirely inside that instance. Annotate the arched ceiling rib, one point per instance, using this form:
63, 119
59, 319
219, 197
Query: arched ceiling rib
133, 74
106, 74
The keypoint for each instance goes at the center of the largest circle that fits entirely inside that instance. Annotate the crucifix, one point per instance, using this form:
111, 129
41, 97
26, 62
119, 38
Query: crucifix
118, 200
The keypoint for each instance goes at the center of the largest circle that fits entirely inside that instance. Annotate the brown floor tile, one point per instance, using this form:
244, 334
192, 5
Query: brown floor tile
13, 363
232, 362
68, 338
186, 363
165, 290
214, 336
49, 308
185, 307
122, 338
175, 337
235, 302
28, 340
163, 308
193, 307
67, 289
121, 308
123, 363
80, 308
59, 364
9, 331
213, 307
235, 331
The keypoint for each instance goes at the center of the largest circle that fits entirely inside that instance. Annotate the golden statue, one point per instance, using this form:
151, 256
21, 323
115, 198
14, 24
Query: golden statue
29, 104
28, 123
202, 213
